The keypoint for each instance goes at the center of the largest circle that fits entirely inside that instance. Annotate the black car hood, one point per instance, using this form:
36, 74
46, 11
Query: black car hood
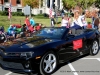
25, 42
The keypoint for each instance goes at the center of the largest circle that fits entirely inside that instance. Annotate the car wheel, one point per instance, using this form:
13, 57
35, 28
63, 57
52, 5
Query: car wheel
48, 63
94, 48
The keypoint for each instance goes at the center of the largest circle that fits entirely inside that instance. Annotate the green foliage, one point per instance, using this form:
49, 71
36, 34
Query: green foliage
82, 3
40, 16
97, 3
17, 14
3, 13
31, 3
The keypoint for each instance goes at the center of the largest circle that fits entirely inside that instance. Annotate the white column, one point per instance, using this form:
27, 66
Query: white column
56, 3
45, 3
50, 3
61, 4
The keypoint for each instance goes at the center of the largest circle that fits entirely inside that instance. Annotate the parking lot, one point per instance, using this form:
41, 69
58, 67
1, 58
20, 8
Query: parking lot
86, 65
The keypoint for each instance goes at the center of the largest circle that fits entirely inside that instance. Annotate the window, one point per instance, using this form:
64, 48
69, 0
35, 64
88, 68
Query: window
6, 1
19, 10
6, 9
18, 1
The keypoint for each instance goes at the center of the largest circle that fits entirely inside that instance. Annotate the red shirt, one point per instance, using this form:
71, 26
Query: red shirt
38, 27
31, 28
89, 26
27, 22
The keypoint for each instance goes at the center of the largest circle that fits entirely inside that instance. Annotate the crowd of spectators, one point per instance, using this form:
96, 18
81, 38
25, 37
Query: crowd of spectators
78, 21
17, 31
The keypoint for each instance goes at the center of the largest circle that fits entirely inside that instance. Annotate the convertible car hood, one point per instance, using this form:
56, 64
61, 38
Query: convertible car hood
32, 41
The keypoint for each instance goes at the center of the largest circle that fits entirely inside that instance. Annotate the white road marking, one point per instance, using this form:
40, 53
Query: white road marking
8, 73
98, 59
90, 58
72, 68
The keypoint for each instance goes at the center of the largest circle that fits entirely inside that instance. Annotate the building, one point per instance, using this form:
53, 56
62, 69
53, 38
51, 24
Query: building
17, 6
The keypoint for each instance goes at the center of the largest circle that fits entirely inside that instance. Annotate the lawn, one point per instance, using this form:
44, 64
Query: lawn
20, 20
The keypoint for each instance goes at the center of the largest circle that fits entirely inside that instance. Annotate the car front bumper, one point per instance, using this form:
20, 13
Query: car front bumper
17, 67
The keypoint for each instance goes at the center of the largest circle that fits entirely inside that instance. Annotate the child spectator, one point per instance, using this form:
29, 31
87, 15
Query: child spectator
32, 22
89, 25
12, 31
23, 30
38, 27
31, 28
2, 29
27, 22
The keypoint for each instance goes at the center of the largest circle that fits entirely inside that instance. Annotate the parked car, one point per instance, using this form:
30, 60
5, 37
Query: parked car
46, 49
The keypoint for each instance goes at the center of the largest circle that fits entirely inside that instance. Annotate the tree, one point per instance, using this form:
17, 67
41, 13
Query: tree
84, 4
97, 3
69, 3
31, 3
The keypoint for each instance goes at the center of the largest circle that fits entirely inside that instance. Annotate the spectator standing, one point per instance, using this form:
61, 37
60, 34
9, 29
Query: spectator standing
95, 19
52, 21
62, 13
99, 13
99, 25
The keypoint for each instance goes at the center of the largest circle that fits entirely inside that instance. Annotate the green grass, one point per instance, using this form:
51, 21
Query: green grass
20, 20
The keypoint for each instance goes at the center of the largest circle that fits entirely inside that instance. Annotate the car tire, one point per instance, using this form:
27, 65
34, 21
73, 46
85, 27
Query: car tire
48, 63
94, 48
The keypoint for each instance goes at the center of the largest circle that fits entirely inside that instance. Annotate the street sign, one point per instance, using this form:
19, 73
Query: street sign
27, 10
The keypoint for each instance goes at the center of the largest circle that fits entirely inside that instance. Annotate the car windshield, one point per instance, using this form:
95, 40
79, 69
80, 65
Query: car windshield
52, 32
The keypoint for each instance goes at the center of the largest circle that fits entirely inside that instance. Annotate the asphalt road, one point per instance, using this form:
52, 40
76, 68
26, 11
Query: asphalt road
86, 65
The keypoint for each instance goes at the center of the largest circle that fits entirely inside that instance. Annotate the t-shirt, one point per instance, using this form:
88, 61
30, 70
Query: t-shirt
78, 22
84, 22
64, 23
27, 22
31, 28
32, 22
96, 22
38, 27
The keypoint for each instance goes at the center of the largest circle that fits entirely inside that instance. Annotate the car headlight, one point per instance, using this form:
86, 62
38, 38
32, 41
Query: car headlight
26, 54
20, 54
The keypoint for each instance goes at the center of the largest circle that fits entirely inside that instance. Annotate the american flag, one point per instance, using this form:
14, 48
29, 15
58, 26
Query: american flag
50, 12
9, 12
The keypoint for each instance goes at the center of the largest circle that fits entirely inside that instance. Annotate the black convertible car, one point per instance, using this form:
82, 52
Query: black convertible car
46, 49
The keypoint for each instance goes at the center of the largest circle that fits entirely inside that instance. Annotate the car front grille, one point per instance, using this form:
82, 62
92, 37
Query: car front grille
11, 65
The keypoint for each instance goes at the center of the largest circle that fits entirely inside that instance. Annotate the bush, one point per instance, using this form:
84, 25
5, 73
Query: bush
17, 14
40, 16
3, 13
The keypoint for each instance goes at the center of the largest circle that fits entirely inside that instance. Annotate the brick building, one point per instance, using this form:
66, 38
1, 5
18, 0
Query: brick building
17, 6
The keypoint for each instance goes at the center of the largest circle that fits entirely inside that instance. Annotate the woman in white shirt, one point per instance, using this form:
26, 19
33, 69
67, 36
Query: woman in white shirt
77, 21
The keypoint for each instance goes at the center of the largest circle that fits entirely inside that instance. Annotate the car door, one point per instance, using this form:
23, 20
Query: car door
67, 51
